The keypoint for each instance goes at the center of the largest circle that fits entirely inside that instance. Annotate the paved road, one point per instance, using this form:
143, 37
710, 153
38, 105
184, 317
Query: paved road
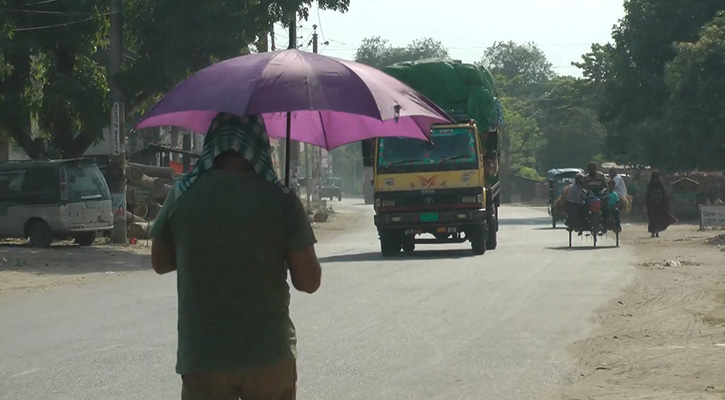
438, 325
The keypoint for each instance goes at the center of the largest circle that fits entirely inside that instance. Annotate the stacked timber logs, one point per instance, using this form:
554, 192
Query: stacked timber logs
146, 189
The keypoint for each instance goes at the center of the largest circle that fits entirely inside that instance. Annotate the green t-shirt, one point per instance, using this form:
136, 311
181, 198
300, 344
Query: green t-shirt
232, 234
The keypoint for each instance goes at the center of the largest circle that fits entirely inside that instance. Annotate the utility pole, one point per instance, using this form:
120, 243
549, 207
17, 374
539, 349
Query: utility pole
319, 150
292, 150
271, 36
117, 169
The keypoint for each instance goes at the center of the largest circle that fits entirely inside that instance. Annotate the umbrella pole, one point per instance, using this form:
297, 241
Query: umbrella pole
287, 147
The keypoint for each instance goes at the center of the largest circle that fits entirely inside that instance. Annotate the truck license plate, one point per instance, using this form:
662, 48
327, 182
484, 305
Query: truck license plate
429, 217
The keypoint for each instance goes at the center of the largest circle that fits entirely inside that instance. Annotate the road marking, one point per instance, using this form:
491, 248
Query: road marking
28, 372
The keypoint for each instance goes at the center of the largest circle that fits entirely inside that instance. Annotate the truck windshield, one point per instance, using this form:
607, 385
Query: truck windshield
450, 149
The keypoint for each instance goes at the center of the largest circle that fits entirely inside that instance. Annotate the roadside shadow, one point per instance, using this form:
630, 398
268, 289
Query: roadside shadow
583, 247
525, 221
63, 259
417, 255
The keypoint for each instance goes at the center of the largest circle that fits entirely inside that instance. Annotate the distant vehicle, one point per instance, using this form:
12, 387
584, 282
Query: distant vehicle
331, 189
558, 179
54, 199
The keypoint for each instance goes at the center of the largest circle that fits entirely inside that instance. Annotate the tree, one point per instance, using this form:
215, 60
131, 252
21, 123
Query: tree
521, 137
696, 82
635, 102
59, 79
518, 68
53, 79
379, 53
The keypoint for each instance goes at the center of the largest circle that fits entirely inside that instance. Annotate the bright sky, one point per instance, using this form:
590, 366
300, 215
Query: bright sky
563, 29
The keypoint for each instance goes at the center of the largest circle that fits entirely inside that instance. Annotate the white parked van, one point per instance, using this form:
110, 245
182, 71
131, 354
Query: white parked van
56, 199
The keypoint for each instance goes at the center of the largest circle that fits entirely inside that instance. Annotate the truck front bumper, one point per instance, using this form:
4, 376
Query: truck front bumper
429, 219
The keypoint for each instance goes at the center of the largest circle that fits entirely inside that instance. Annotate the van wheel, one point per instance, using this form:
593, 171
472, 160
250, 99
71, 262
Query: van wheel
40, 235
85, 238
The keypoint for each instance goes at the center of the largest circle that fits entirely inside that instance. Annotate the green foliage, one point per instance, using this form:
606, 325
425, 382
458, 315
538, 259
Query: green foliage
379, 53
56, 71
654, 91
549, 120
529, 173
518, 68
696, 80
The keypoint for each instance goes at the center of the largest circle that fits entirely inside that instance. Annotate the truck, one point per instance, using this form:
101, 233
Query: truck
446, 190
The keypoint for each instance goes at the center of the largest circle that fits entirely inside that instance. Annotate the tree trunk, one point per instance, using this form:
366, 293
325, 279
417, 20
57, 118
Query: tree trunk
16, 111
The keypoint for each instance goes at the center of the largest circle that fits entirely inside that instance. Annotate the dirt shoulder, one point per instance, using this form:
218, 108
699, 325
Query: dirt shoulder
664, 337
25, 270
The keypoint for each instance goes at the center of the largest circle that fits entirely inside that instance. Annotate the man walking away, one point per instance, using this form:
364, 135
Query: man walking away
232, 230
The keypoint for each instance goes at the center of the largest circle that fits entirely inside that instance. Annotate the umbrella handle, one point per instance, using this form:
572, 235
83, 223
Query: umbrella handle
288, 145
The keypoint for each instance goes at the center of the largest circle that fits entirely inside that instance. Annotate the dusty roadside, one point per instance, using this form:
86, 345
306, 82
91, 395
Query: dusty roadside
24, 270
664, 337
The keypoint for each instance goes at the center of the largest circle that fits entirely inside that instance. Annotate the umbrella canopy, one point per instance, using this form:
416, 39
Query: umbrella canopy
329, 102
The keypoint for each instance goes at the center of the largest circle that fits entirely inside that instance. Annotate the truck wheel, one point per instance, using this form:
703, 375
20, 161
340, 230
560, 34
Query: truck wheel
40, 235
409, 244
390, 243
477, 235
85, 238
492, 237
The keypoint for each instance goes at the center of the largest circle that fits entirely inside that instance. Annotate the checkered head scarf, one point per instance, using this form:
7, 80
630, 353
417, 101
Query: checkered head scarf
247, 136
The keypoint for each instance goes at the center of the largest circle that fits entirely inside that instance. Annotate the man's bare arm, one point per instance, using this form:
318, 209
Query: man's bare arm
163, 257
305, 270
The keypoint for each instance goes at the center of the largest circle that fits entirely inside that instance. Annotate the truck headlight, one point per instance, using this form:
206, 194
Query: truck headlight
389, 203
377, 202
469, 199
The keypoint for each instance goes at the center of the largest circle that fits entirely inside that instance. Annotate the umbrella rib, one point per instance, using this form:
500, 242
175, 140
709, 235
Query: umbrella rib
324, 132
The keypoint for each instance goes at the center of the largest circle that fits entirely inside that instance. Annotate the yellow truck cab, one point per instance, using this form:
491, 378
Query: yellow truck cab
435, 188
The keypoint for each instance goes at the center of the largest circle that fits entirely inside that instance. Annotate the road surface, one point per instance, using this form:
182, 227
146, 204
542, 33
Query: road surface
441, 324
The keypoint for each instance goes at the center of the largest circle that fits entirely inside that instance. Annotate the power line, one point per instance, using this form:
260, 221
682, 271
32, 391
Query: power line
37, 3
43, 12
37, 28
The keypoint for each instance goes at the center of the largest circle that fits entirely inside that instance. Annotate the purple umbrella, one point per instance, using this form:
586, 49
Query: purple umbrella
324, 101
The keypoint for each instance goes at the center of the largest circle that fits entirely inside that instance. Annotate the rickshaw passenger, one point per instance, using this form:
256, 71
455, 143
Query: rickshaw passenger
575, 202
613, 203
